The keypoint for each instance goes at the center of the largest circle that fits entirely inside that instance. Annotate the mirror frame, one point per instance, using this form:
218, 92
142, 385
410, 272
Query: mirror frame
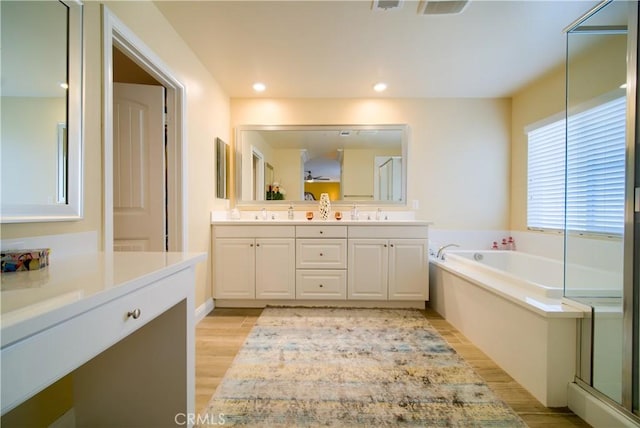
403, 128
73, 209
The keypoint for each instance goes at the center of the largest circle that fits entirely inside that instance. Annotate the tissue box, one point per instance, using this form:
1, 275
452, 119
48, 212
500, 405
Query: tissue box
23, 260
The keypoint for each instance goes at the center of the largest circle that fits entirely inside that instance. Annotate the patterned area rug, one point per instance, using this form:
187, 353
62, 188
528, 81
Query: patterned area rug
303, 367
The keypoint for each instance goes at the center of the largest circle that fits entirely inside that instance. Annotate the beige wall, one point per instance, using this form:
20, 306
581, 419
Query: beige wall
459, 149
593, 73
207, 117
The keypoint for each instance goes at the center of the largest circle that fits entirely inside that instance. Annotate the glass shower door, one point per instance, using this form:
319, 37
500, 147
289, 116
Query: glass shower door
596, 189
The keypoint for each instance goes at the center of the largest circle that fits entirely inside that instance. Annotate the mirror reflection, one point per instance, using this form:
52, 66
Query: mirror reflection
297, 163
34, 91
41, 110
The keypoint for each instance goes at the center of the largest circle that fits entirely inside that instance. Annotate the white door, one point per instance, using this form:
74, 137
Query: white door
408, 269
367, 271
235, 268
139, 215
275, 268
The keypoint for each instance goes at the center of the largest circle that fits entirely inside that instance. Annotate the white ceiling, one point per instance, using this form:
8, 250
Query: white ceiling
341, 48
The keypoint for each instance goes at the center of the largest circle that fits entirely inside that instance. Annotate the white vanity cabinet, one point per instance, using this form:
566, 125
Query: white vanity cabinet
254, 262
321, 262
388, 263
346, 263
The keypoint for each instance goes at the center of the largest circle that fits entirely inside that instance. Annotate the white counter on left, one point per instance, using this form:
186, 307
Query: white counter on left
57, 320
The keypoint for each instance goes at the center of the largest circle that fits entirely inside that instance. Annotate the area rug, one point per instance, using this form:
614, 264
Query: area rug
304, 367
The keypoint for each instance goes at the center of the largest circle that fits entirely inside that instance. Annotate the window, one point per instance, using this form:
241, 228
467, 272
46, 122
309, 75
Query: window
595, 171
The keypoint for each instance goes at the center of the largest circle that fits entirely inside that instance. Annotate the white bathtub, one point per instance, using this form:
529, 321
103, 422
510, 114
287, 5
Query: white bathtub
509, 304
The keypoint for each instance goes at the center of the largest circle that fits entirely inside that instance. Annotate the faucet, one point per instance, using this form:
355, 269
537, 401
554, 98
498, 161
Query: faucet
440, 253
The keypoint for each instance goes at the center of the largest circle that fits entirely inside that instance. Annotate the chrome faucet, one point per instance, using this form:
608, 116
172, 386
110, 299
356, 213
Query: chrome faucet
440, 253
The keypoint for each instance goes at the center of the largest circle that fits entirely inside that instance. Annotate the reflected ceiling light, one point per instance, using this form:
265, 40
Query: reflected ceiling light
64, 85
259, 87
380, 86
623, 86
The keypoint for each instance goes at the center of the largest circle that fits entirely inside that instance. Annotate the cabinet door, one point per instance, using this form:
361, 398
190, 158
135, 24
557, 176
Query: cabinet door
408, 269
275, 269
234, 262
367, 271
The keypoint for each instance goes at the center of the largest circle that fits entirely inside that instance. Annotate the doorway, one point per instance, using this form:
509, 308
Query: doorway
126, 54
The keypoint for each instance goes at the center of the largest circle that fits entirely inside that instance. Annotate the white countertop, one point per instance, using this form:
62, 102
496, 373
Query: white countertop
33, 301
318, 222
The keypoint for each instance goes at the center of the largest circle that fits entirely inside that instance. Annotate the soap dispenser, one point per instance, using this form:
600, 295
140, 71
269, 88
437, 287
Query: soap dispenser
290, 212
354, 212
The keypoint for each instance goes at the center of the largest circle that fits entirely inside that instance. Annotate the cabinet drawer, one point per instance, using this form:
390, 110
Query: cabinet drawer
321, 284
244, 231
321, 231
321, 253
389, 232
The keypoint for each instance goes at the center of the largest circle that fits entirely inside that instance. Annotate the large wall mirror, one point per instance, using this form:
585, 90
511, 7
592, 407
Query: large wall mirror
352, 163
41, 101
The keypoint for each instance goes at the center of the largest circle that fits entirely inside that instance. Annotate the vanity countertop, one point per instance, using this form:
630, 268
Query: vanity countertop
32, 301
318, 222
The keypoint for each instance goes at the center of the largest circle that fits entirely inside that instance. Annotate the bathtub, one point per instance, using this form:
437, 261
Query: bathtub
510, 305
543, 275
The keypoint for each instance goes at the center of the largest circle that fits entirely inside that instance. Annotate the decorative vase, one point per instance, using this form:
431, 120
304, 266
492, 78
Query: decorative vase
325, 206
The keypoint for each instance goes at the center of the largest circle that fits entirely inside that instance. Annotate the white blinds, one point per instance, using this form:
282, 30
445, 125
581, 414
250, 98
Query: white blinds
595, 171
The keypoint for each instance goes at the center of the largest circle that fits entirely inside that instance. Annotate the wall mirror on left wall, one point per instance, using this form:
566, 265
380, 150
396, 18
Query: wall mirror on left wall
41, 102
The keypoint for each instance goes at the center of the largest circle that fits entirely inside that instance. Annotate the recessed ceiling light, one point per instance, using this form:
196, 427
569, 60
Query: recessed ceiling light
379, 87
259, 87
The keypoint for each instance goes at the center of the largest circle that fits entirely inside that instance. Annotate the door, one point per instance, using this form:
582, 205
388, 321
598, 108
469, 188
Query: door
368, 268
408, 269
235, 268
139, 213
275, 269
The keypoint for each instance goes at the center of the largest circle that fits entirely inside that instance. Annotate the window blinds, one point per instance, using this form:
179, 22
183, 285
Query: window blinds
595, 171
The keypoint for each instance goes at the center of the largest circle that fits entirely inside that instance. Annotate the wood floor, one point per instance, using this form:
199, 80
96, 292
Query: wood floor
221, 334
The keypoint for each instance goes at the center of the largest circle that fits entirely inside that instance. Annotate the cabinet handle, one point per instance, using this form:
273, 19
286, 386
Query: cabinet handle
135, 314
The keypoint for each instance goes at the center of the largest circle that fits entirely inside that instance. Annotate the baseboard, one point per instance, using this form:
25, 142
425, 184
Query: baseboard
203, 310
594, 411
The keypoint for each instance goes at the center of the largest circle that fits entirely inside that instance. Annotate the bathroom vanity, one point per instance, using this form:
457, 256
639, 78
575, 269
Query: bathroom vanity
121, 323
340, 263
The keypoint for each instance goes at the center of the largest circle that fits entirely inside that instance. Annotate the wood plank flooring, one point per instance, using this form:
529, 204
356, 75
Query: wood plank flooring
220, 335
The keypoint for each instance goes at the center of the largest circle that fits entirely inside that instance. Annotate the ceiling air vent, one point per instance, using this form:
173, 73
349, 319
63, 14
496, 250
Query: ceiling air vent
441, 7
386, 4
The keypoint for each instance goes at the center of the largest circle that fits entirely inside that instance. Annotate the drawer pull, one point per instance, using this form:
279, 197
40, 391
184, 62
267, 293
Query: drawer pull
321, 232
321, 285
257, 245
321, 254
385, 245
135, 314
251, 245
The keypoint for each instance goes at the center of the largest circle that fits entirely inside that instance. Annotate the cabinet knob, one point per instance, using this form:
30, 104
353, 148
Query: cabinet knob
385, 245
251, 245
321, 232
321, 285
321, 254
135, 314
257, 245
391, 245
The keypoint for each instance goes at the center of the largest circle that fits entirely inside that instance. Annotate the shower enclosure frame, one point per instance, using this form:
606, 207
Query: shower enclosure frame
630, 400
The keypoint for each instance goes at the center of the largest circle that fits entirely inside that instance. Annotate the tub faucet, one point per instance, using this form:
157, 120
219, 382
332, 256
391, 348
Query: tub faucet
440, 253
